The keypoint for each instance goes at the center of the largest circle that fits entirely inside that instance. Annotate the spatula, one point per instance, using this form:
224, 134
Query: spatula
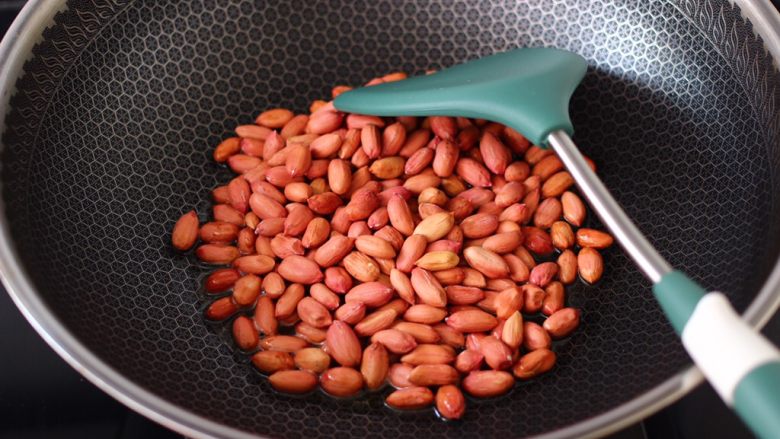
529, 90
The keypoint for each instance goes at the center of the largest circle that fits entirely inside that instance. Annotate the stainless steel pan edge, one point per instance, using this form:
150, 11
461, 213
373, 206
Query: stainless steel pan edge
15, 49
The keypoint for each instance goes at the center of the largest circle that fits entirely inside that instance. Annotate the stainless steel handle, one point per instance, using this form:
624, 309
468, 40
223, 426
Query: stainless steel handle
652, 264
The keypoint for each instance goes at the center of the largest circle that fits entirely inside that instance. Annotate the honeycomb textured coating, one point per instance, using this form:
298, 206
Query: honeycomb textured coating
112, 127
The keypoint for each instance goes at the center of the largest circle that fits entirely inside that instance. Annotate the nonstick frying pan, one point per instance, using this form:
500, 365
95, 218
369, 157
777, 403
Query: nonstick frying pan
112, 109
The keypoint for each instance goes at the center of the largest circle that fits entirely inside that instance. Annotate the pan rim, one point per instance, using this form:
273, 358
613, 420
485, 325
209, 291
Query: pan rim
15, 48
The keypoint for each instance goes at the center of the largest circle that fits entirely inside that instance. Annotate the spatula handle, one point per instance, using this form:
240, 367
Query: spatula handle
742, 365
646, 257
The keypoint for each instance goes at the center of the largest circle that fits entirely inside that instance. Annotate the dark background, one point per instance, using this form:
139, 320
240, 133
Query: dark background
42, 397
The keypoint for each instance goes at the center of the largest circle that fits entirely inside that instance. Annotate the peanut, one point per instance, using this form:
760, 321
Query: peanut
394, 243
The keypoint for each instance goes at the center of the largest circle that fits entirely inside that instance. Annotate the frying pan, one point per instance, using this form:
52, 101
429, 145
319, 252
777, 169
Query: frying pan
112, 108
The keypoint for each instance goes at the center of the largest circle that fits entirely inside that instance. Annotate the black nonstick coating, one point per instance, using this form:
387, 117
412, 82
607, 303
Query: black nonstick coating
112, 126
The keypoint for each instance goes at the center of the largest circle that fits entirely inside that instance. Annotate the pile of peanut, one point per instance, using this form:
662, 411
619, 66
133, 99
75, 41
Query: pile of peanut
360, 251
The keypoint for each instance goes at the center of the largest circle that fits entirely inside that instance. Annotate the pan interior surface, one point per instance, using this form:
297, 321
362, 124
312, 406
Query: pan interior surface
112, 126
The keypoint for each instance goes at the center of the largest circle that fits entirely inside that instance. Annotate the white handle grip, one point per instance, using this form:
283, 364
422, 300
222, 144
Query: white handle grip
723, 346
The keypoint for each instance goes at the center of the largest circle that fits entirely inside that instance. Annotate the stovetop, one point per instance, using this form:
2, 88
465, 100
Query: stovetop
42, 397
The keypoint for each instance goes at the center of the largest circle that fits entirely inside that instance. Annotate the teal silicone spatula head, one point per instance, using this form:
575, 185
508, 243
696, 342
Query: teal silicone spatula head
528, 89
